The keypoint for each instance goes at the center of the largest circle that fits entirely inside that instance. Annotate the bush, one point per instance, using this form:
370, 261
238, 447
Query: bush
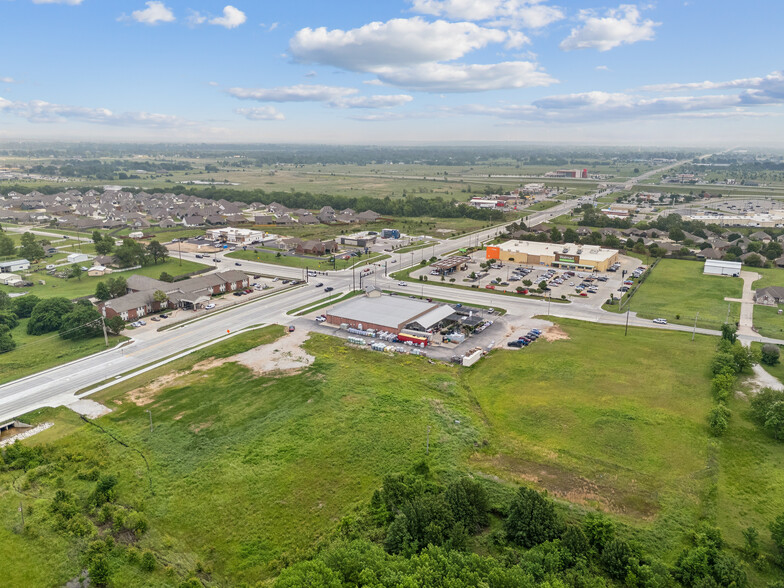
9, 319
767, 410
47, 316
719, 420
23, 305
148, 561
532, 519
7, 342
468, 502
599, 530
777, 532
770, 354
99, 570
616, 558
722, 386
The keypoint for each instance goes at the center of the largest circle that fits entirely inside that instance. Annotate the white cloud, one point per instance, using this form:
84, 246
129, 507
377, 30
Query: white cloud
195, 18
379, 101
773, 78
155, 13
602, 68
68, 2
441, 77
298, 93
525, 13
7, 80
231, 19
516, 40
335, 96
39, 111
621, 26
398, 42
261, 113
213, 84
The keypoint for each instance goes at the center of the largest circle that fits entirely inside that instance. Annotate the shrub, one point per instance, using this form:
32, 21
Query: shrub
532, 519
616, 558
148, 561
770, 354
719, 420
599, 530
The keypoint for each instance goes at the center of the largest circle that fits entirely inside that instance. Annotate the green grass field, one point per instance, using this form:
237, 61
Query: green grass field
36, 353
251, 472
767, 320
74, 288
679, 288
322, 264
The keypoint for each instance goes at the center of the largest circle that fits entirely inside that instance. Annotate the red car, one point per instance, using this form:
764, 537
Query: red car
490, 287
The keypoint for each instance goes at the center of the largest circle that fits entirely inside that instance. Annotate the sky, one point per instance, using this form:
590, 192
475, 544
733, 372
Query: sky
667, 73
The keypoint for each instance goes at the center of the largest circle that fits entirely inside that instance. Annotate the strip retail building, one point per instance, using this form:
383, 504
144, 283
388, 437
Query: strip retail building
565, 256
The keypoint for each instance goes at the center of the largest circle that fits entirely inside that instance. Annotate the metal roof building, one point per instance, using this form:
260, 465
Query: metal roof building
383, 313
716, 267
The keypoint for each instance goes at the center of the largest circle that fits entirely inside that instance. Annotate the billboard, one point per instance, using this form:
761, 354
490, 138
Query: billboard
493, 253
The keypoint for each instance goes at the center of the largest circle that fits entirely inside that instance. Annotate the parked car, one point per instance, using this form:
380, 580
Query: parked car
210, 305
164, 316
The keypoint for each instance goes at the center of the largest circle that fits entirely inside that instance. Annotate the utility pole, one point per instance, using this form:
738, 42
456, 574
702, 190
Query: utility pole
694, 332
179, 248
353, 278
150, 413
626, 332
105, 336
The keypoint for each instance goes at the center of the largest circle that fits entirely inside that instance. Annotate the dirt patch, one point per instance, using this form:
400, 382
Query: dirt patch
177, 417
555, 333
199, 427
146, 395
284, 355
635, 501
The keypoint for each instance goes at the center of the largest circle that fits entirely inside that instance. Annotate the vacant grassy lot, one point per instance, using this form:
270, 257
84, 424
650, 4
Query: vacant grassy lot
322, 264
85, 286
677, 290
250, 472
36, 353
583, 421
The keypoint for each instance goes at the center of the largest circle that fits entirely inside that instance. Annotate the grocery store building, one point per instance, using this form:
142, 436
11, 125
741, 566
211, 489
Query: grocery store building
564, 256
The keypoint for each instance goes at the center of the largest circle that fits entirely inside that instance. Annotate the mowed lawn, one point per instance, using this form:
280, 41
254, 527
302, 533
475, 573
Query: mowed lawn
36, 353
678, 288
767, 319
85, 286
322, 264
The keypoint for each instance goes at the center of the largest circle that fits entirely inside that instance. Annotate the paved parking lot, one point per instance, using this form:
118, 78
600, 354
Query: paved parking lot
508, 276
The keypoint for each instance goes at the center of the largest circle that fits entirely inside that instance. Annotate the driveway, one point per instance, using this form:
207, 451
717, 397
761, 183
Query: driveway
746, 323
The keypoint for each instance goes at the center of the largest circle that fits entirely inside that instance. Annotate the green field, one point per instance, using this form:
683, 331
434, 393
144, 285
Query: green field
767, 320
74, 288
322, 264
250, 473
37, 353
679, 288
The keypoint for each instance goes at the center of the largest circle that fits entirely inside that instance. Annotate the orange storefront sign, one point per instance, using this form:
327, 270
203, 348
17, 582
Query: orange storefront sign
493, 253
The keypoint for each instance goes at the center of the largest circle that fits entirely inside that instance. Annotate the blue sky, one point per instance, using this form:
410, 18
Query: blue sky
695, 72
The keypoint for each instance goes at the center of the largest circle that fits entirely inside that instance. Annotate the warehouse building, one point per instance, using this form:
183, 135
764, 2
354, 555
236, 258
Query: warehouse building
564, 256
387, 313
716, 267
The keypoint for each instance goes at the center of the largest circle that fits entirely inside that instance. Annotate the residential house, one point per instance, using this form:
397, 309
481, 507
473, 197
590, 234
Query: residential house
770, 296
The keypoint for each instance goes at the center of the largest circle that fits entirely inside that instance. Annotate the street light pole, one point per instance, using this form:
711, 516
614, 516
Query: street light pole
626, 331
